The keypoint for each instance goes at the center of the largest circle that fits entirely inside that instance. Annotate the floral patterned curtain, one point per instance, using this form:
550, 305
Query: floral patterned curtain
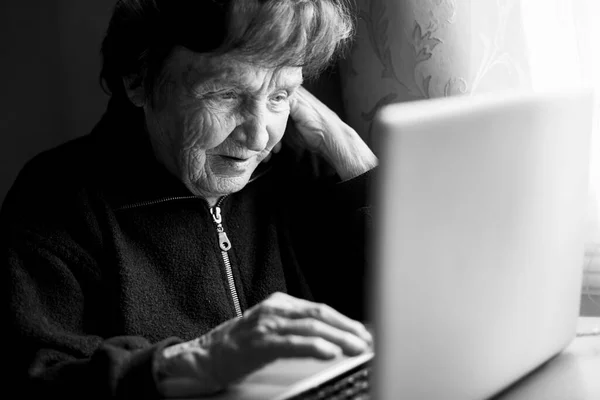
408, 50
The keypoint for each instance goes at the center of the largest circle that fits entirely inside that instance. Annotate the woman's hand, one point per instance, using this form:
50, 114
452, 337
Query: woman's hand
320, 130
281, 326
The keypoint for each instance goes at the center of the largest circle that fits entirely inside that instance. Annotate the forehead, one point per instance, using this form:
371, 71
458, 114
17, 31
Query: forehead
229, 69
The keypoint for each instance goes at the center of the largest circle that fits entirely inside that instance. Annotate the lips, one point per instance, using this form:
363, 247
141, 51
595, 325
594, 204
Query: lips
239, 159
236, 158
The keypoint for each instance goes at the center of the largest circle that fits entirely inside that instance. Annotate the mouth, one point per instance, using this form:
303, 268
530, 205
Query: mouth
233, 158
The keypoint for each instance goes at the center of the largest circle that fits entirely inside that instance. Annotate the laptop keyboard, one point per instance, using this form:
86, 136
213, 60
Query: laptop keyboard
352, 385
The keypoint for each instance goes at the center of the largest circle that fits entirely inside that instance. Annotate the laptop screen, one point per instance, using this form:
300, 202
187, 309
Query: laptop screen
480, 208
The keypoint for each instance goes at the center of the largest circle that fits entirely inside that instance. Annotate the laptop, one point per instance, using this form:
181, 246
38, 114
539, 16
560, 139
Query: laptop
478, 251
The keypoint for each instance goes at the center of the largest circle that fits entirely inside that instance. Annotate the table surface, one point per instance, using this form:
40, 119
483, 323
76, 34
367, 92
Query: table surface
590, 305
574, 374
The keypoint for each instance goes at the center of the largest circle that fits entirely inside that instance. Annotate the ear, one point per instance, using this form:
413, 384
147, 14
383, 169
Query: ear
135, 90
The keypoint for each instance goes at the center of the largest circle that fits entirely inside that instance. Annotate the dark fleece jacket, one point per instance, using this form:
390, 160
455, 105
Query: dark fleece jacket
107, 258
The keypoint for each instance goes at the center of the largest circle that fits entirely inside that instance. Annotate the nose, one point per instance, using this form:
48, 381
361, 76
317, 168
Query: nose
254, 133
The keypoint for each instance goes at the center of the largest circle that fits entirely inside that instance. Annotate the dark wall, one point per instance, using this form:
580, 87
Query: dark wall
50, 60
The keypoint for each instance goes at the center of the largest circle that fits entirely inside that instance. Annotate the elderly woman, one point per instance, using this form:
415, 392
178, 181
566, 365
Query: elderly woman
182, 244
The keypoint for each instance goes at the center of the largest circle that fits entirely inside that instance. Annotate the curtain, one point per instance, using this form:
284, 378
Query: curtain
408, 50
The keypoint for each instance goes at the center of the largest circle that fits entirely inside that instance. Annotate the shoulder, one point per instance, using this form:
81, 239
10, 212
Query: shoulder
54, 185
57, 172
62, 166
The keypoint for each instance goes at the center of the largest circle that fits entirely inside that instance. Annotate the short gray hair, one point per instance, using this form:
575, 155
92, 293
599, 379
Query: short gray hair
142, 33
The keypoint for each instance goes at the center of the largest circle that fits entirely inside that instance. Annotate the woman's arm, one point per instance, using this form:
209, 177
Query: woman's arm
321, 131
50, 343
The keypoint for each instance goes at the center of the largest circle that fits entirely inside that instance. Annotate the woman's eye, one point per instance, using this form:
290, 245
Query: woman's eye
228, 95
279, 97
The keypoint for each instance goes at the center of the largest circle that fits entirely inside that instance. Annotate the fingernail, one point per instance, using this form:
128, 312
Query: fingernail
369, 338
333, 351
366, 336
358, 345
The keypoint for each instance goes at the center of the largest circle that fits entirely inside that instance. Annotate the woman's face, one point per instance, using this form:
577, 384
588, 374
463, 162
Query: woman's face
213, 119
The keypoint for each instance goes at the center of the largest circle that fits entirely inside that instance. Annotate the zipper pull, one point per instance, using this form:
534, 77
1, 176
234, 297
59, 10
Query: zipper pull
224, 242
216, 214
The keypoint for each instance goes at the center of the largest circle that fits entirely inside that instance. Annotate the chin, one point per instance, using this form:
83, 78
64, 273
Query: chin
229, 185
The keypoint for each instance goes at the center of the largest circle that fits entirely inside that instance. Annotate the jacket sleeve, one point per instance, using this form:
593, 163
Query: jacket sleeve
340, 274
331, 228
48, 277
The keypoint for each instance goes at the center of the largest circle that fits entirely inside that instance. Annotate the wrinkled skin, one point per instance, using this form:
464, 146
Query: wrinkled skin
212, 120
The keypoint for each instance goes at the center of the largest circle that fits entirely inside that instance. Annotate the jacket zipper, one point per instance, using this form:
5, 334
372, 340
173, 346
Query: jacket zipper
225, 246
153, 202
224, 243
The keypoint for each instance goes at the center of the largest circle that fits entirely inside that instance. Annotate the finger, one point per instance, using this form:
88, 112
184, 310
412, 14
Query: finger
301, 104
290, 346
348, 342
303, 94
292, 307
267, 157
327, 314
276, 148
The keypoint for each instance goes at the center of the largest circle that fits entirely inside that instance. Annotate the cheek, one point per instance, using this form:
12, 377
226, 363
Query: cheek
205, 128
